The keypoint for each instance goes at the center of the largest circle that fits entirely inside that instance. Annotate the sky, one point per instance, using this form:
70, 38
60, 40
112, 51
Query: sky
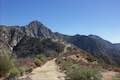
98, 17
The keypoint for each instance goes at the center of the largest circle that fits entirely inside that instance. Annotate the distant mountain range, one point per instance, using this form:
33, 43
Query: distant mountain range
117, 46
21, 38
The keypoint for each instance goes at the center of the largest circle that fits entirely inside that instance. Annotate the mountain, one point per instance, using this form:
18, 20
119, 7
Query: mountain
13, 34
38, 30
117, 45
36, 38
30, 47
98, 47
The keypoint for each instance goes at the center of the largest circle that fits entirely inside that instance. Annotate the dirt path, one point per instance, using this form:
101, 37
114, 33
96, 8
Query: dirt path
48, 71
108, 75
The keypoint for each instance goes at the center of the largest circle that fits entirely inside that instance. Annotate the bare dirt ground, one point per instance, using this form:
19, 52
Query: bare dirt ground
48, 71
108, 75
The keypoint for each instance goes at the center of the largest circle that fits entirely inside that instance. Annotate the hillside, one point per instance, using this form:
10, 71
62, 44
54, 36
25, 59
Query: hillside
98, 47
30, 47
20, 37
33, 47
117, 46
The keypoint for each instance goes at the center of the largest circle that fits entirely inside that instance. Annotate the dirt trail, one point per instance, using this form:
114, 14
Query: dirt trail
48, 71
108, 75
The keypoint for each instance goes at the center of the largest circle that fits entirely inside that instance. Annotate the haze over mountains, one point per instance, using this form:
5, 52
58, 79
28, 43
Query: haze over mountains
28, 37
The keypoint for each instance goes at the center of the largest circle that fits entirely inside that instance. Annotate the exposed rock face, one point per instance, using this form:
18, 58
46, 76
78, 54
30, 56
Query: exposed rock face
100, 48
38, 30
4, 48
13, 34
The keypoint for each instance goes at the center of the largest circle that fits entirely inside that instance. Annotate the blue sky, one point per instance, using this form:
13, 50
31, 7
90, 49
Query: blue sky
99, 17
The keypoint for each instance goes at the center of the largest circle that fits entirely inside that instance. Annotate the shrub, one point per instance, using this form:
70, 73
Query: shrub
38, 62
5, 64
42, 57
14, 72
69, 49
25, 69
80, 73
75, 71
21, 70
28, 69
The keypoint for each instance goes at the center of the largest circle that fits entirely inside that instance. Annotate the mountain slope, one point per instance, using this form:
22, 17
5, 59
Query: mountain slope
38, 30
117, 46
13, 34
102, 49
33, 46
27, 40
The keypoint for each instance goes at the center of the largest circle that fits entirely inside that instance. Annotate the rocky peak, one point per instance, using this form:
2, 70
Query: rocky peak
35, 24
38, 30
13, 34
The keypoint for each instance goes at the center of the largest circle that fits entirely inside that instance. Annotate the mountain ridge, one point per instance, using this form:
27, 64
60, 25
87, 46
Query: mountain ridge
95, 45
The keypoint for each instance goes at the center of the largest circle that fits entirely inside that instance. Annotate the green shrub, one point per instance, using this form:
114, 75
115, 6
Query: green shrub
25, 69
14, 72
5, 64
67, 65
42, 57
75, 71
82, 74
21, 70
28, 70
38, 62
